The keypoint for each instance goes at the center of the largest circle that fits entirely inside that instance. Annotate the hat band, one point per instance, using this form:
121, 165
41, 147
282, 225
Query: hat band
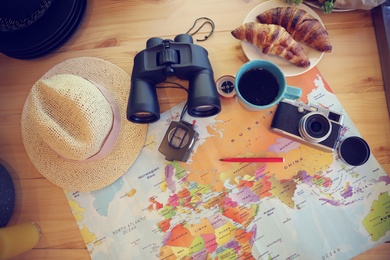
112, 136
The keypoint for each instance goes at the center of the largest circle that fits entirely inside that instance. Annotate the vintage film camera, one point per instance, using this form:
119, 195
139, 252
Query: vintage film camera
179, 141
311, 124
165, 58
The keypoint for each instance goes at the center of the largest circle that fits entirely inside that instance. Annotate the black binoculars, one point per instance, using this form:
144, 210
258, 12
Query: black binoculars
166, 58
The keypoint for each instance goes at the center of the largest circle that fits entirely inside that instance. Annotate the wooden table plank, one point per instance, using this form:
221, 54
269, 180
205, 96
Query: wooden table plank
116, 31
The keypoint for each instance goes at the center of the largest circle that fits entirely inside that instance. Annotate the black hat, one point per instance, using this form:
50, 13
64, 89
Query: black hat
7, 196
30, 29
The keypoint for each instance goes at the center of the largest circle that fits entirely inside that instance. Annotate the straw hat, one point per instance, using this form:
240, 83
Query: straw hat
74, 125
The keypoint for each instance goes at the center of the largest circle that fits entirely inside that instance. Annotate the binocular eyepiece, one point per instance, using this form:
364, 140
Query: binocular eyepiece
165, 58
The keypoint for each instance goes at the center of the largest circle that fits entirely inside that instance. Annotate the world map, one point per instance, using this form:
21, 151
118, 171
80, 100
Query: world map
312, 206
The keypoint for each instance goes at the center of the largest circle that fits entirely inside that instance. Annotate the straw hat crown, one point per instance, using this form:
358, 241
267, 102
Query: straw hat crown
71, 115
74, 124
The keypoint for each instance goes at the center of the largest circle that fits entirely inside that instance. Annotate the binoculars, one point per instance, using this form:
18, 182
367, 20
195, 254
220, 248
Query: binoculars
166, 58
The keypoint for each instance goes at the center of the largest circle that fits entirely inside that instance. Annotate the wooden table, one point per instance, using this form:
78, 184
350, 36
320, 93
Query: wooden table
116, 31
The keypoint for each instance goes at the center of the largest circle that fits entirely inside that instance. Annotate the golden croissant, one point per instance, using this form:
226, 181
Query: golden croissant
272, 39
302, 26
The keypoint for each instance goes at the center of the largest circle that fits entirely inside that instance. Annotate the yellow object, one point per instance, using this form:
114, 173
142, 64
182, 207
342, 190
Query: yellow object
17, 239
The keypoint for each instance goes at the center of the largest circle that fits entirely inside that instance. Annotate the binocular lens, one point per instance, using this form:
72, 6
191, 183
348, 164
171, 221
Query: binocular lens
203, 99
143, 117
143, 105
204, 108
143, 114
204, 111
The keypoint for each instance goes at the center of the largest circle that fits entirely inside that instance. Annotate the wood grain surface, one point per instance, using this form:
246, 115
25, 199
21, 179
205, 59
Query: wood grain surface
116, 31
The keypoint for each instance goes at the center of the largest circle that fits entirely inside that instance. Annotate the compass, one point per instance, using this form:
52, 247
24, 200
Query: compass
179, 141
225, 86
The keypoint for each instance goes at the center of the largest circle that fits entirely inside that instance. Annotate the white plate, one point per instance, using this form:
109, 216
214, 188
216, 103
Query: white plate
289, 69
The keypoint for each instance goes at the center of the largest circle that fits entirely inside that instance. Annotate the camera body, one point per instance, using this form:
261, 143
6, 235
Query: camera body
314, 125
166, 58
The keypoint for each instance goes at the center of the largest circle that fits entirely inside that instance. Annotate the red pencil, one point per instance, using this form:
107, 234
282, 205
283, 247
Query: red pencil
253, 159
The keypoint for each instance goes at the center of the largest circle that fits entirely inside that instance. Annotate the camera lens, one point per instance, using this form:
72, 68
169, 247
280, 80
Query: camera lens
315, 127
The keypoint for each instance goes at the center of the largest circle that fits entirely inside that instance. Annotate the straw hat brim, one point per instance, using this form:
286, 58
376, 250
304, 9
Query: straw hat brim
87, 176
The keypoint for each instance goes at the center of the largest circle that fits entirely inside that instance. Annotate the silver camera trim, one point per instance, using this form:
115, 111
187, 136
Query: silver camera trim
314, 108
304, 141
306, 136
301, 106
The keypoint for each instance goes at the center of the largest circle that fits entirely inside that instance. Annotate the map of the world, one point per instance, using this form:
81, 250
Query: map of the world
312, 206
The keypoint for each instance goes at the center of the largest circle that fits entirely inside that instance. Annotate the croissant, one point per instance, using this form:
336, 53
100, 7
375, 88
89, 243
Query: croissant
302, 26
272, 39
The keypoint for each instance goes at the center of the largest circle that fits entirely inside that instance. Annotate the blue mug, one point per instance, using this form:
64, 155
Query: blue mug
261, 84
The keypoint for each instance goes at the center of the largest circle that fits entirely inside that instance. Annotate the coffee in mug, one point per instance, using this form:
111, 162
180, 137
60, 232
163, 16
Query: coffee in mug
261, 84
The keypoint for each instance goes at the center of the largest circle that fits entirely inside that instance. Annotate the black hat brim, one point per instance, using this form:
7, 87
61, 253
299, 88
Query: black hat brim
47, 34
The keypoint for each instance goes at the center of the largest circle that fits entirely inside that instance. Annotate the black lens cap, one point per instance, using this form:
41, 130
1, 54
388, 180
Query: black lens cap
354, 151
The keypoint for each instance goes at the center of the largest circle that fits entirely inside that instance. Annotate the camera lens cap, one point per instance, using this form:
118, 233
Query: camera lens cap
354, 151
225, 86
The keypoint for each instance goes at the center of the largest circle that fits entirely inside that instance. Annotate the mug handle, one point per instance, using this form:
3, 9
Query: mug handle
292, 92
